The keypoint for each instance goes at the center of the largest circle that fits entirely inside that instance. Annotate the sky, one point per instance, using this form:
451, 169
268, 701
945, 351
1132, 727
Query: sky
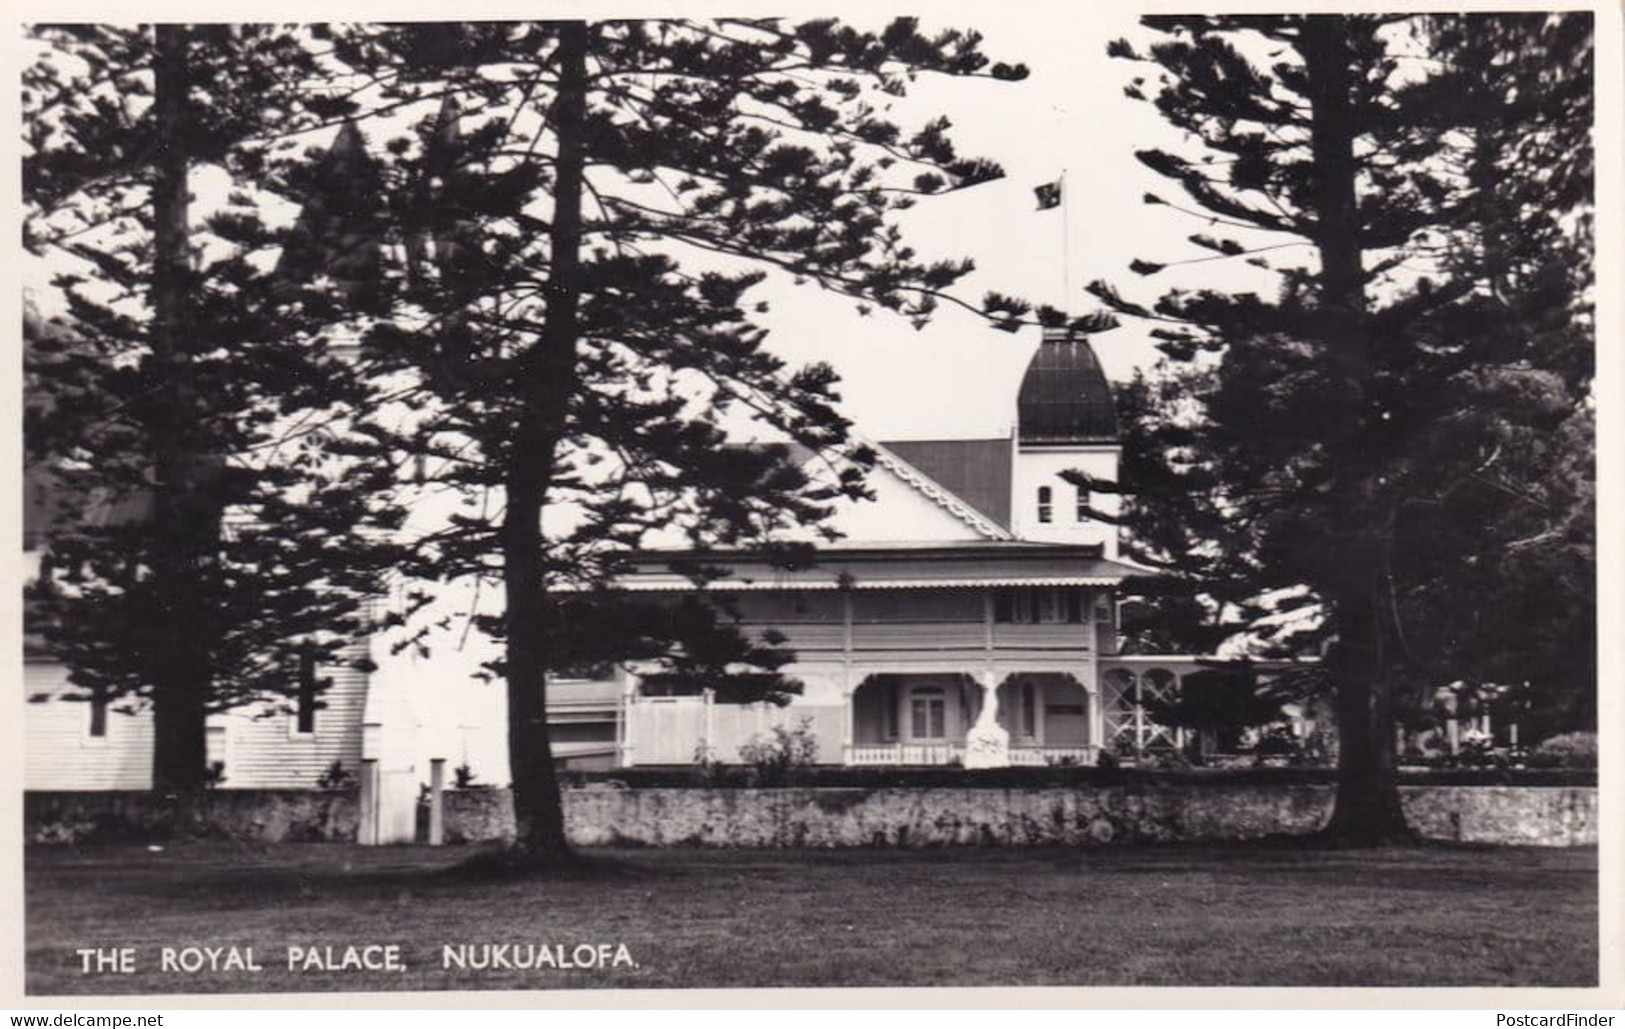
958, 377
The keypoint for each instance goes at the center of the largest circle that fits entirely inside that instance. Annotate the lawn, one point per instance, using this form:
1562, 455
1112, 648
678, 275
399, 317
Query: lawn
1171, 915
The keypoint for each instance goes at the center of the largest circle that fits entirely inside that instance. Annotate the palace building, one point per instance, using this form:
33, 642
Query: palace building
966, 617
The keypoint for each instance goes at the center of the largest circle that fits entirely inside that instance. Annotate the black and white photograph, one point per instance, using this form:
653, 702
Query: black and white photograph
989, 495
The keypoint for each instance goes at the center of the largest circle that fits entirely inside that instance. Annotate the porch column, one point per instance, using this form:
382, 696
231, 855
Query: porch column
437, 801
708, 699
848, 726
629, 697
987, 744
1097, 713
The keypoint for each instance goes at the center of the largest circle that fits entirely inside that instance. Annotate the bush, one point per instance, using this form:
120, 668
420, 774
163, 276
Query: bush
708, 771
337, 777
214, 776
64, 830
1478, 751
1569, 750
463, 778
1277, 741
780, 758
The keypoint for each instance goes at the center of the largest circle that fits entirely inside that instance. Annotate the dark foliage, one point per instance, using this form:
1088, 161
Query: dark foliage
585, 210
201, 544
1398, 441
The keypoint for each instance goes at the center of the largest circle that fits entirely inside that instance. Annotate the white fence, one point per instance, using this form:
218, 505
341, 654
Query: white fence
682, 730
949, 753
908, 753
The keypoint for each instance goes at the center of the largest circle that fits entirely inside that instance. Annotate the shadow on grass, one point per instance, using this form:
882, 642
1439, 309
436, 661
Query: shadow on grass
510, 864
247, 874
255, 873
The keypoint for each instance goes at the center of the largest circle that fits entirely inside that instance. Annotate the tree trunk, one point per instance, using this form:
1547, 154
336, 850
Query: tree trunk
186, 517
550, 382
1367, 811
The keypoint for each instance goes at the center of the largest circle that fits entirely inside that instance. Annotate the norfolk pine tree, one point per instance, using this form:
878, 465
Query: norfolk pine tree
173, 379
604, 197
1349, 421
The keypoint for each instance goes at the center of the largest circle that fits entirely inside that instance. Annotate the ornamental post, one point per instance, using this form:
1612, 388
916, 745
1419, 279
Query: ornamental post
987, 744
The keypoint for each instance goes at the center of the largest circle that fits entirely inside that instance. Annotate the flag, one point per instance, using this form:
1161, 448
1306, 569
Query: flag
1049, 195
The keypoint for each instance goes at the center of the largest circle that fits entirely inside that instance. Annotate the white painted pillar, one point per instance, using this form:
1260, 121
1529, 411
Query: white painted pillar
1097, 715
437, 801
368, 818
709, 742
849, 728
629, 698
987, 744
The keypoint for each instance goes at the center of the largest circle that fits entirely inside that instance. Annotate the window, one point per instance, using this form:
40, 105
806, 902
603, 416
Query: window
1074, 606
1045, 504
98, 712
1082, 513
928, 714
305, 716
664, 686
1039, 605
1029, 709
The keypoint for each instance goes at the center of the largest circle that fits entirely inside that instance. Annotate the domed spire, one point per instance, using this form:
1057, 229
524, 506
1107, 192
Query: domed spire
1064, 396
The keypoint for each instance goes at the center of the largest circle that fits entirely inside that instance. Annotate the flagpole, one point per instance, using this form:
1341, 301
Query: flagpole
1066, 247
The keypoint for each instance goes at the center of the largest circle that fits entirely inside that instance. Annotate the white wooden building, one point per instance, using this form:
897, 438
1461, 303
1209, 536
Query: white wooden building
967, 616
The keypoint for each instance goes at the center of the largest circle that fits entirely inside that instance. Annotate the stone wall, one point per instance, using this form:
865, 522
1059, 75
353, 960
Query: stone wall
863, 817
1548, 816
274, 816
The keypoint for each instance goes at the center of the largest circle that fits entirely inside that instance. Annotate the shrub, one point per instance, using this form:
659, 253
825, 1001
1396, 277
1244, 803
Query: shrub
463, 778
337, 777
214, 776
64, 830
1478, 750
782, 756
1277, 741
708, 771
1569, 750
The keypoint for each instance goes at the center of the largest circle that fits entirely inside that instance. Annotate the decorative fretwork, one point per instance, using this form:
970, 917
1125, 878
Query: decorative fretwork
1120, 703
1129, 731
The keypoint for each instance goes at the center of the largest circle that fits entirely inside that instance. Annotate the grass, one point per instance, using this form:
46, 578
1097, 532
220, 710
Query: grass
1173, 915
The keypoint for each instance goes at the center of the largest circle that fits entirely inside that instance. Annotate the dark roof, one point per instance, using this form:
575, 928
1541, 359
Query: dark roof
1065, 397
977, 471
335, 234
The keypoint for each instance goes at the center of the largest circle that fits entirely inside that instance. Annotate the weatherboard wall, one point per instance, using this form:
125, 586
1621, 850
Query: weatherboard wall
259, 745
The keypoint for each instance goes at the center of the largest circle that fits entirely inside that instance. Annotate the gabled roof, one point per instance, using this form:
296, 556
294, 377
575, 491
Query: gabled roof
928, 486
977, 471
335, 234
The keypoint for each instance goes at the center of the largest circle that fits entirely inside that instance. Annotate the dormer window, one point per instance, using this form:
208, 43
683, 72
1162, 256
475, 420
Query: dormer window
1046, 508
